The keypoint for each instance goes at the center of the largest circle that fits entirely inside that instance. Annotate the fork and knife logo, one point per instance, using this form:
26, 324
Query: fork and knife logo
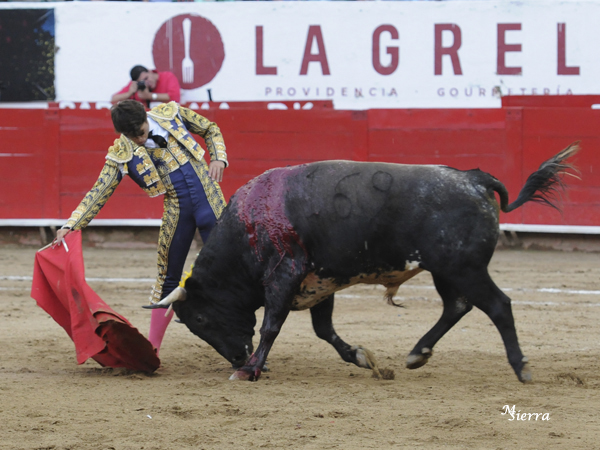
187, 65
191, 47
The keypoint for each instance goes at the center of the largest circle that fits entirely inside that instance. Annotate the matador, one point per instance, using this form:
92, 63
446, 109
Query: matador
158, 152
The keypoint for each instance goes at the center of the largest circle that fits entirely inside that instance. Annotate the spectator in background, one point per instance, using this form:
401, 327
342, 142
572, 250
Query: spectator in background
150, 86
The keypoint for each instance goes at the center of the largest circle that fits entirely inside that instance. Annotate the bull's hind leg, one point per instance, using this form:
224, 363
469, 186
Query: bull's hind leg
321, 315
475, 287
455, 307
481, 290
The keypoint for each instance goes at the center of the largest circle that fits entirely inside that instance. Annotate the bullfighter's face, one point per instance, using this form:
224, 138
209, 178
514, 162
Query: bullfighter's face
230, 337
141, 136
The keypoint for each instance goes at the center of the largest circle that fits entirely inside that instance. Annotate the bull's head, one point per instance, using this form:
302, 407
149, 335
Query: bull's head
217, 321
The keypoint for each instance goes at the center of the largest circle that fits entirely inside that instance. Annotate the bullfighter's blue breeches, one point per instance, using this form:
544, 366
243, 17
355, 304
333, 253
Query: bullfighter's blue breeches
186, 209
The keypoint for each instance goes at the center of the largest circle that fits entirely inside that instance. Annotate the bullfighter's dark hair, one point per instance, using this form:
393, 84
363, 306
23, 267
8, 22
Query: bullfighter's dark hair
136, 71
128, 117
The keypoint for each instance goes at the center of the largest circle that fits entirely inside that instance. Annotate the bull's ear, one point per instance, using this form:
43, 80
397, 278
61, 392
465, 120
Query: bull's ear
191, 284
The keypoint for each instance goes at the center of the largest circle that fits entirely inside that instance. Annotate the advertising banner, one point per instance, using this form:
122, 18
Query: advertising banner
360, 55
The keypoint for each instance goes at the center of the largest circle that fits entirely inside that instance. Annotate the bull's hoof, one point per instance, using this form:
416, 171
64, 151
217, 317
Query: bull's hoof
525, 374
246, 375
240, 375
414, 361
364, 357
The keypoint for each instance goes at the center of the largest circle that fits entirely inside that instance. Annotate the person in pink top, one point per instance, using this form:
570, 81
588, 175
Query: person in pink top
150, 86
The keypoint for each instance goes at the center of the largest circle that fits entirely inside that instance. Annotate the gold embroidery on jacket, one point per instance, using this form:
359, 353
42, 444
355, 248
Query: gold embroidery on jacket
166, 116
170, 220
168, 159
213, 192
121, 151
152, 180
95, 199
177, 152
209, 131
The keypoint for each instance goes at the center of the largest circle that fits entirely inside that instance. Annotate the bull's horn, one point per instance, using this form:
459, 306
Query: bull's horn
178, 294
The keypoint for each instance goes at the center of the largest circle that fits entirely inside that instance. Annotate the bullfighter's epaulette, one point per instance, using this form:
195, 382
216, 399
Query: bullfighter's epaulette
121, 151
164, 111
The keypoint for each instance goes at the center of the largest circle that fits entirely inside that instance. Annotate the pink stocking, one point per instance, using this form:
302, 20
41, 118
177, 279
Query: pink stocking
158, 326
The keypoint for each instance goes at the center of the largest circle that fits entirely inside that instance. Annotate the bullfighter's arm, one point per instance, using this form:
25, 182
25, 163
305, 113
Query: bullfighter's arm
94, 200
207, 130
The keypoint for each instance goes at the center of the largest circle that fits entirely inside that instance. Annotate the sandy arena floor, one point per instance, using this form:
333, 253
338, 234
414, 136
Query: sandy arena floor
311, 399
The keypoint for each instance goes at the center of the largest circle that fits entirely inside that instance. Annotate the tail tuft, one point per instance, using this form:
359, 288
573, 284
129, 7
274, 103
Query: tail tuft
544, 185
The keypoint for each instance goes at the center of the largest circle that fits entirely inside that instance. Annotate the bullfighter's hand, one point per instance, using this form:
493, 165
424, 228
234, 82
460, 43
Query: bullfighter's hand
215, 170
60, 234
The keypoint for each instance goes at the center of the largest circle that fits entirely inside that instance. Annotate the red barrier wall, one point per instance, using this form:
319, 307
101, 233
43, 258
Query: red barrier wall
50, 158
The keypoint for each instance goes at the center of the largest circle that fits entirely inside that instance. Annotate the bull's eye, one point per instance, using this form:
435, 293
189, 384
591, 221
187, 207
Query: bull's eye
199, 319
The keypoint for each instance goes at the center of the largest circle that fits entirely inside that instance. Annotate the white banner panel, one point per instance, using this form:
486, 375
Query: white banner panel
361, 55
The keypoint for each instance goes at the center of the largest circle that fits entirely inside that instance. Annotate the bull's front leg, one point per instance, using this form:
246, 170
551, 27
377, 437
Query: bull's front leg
321, 315
279, 293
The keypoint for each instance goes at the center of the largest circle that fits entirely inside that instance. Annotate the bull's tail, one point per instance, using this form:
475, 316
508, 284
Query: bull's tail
543, 185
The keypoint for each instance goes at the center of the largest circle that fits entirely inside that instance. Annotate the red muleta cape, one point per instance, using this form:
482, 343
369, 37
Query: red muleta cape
60, 289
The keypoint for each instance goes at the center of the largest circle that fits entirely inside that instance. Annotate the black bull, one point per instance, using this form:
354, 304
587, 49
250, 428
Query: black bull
293, 236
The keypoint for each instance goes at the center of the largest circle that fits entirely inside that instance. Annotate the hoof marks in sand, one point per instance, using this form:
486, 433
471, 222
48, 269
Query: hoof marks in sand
384, 374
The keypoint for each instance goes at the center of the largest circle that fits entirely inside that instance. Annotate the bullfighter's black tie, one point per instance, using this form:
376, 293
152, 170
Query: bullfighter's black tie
159, 140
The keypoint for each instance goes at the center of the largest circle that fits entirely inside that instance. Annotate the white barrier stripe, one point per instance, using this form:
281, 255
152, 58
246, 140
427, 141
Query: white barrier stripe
95, 222
553, 291
513, 302
542, 290
401, 298
150, 280
108, 280
540, 228
516, 227
123, 280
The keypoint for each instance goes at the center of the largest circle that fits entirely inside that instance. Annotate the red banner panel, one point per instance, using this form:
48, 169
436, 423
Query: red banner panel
50, 158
